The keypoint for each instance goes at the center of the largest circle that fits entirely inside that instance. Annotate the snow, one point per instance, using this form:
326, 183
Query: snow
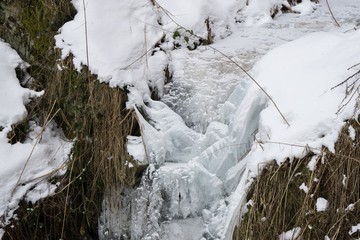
344, 180
351, 207
291, 234
312, 163
354, 229
352, 133
191, 15
321, 204
25, 166
13, 97
305, 7
305, 74
213, 129
135, 147
259, 12
304, 188
133, 34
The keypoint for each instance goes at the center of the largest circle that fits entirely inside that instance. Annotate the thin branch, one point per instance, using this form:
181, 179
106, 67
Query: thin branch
345, 104
347, 79
38, 138
51, 173
332, 15
253, 79
236, 64
88, 74
86, 36
66, 203
292, 145
137, 59
311, 148
351, 89
353, 66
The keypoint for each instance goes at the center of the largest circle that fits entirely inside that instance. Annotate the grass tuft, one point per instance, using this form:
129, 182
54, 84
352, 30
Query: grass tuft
91, 113
277, 204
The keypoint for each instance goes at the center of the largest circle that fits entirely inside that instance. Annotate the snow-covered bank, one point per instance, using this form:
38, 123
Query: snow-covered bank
217, 127
26, 166
301, 86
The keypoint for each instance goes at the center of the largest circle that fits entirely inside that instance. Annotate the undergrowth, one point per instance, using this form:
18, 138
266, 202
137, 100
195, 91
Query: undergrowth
276, 204
90, 113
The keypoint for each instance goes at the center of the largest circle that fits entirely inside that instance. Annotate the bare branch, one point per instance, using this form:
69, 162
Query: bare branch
235, 63
332, 15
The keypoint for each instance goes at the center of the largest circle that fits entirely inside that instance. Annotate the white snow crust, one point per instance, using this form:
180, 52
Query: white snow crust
13, 97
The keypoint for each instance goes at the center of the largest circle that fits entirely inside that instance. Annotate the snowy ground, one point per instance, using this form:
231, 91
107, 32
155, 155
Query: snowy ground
214, 128
26, 166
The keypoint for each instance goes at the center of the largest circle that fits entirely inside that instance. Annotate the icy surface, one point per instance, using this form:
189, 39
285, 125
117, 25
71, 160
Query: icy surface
25, 166
214, 128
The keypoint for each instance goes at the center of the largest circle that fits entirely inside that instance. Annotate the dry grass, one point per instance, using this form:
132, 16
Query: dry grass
279, 205
90, 112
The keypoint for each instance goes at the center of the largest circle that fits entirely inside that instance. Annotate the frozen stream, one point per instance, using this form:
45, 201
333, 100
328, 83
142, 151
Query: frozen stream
198, 136
205, 79
189, 200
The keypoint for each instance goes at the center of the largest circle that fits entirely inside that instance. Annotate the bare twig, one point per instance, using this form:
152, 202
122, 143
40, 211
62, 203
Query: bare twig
38, 138
91, 84
347, 79
308, 148
341, 108
352, 89
66, 200
52, 173
292, 145
332, 15
253, 79
137, 59
86, 36
235, 63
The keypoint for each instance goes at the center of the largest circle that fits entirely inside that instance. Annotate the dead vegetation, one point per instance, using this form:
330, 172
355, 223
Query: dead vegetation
277, 204
89, 112
352, 89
